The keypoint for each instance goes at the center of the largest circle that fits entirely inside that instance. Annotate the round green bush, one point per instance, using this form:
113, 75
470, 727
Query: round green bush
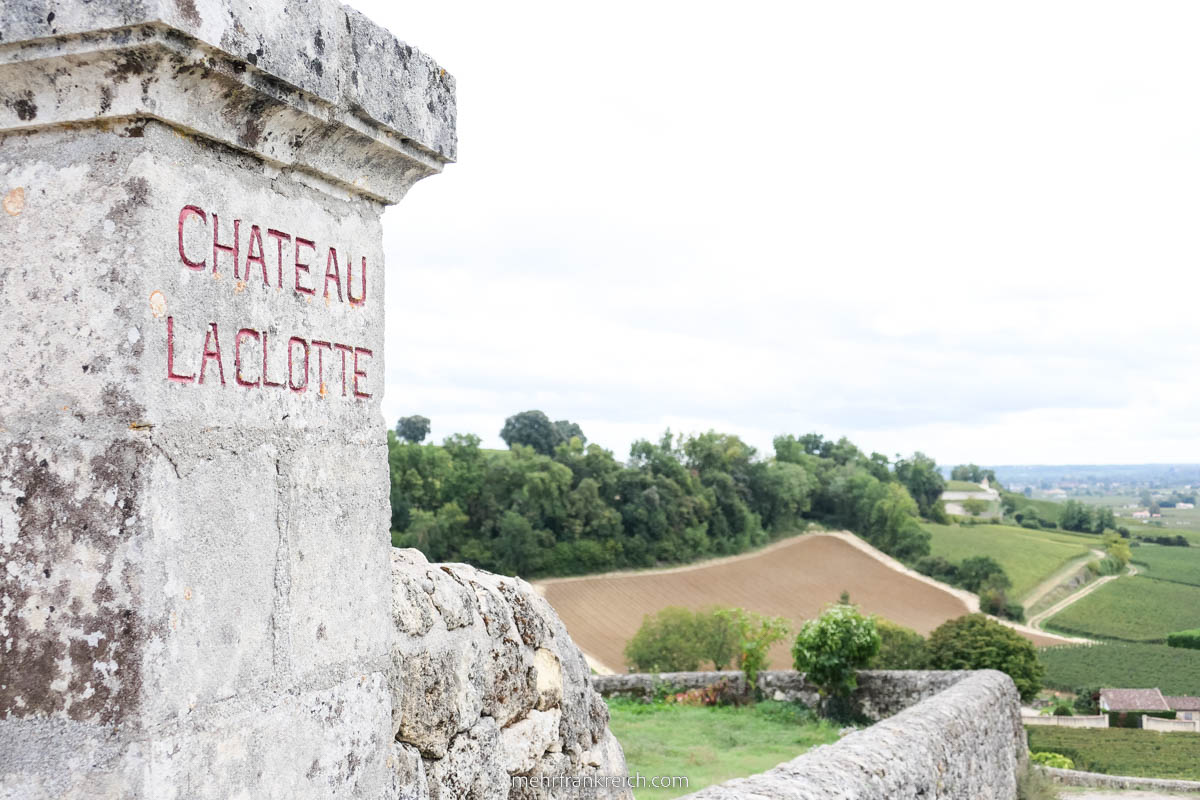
1052, 760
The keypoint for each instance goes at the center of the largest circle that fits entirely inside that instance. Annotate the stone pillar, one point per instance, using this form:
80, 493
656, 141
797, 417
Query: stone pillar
194, 559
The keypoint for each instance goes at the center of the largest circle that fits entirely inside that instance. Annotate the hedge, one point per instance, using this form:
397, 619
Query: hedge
1133, 719
1188, 639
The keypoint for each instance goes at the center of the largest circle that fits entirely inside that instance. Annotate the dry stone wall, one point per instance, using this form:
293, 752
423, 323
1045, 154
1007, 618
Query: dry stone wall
963, 742
880, 693
487, 686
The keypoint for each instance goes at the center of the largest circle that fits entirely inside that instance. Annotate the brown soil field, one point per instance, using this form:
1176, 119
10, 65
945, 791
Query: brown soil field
794, 579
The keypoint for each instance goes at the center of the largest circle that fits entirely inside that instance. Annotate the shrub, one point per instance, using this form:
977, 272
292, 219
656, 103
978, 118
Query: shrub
666, 642
899, 648
938, 568
756, 633
1087, 700
1188, 639
1052, 760
1133, 719
832, 648
976, 642
1062, 710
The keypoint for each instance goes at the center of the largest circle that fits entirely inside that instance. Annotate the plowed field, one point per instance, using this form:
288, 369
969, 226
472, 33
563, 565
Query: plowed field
794, 579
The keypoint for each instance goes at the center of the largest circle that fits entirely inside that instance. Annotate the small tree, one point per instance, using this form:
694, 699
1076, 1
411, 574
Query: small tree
1117, 548
833, 647
720, 637
756, 634
974, 506
976, 642
899, 648
413, 429
666, 642
979, 572
1087, 700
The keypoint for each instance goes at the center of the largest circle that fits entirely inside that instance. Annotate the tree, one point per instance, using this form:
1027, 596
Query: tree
719, 635
1117, 548
899, 648
1087, 700
533, 429
921, 477
978, 572
1105, 519
413, 429
666, 642
974, 506
833, 647
1075, 516
975, 641
568, 430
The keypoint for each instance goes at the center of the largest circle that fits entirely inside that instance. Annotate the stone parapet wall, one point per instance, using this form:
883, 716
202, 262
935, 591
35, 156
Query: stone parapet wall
487, 686
1096, 721
880, 693
963, 742
1170, 725
1096, 780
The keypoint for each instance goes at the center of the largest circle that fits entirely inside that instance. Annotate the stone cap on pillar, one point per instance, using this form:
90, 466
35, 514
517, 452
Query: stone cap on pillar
310, 85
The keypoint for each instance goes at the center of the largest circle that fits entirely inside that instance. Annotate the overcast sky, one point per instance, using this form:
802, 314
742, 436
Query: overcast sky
968, 229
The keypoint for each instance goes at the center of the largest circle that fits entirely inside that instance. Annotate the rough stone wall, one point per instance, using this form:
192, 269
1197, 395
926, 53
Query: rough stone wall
880, 693
963, 742
486, 685
1096, 780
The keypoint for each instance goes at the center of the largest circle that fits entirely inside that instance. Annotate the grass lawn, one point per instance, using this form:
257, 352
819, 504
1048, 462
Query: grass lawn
963, 486
1175, 670
1137, 609
1046, 509
1029, 557
712, 745
1123, 751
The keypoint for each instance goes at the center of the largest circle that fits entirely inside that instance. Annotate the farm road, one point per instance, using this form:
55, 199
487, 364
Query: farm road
1038, 619
1051, 583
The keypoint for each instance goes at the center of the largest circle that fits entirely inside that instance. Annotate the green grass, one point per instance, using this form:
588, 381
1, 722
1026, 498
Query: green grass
1123, 751
1118, 665
1175, 564
1137, 609
712, 745
963, 486
1046, 509
1029, 557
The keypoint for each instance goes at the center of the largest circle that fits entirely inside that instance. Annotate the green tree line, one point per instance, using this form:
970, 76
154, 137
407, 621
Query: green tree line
554, 505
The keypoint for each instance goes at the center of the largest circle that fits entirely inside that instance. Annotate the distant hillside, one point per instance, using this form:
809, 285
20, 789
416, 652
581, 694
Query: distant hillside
1035, 474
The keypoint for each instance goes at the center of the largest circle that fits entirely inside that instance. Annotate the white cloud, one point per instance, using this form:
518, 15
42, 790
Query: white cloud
942, 226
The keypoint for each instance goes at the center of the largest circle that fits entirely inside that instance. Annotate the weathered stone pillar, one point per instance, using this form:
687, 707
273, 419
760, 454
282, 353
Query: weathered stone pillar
195, 578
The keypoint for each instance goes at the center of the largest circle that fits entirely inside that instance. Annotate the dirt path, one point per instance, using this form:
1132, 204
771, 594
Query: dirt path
1036, 621
1050, 584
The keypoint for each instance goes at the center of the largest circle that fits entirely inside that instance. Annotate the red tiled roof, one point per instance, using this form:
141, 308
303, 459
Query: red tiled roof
1182, 702
1133, 700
